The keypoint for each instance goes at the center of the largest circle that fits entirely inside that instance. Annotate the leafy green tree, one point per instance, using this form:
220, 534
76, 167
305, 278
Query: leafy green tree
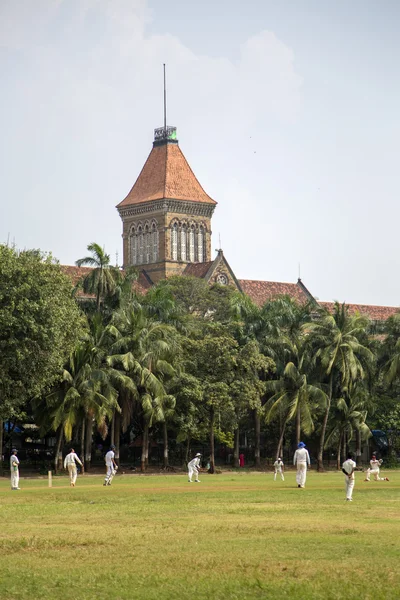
40, 324
103, 278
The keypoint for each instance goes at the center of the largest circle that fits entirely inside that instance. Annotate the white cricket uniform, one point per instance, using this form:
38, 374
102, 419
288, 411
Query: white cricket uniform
14, 462
109, 463
374, 468
349, 465
193, 467
70, 463
300, 460
278, 464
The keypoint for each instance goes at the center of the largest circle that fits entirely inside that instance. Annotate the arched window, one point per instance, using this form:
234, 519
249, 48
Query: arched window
133, 247
140, 245
174, 241
154, 234
200, 244
147, 244
183, 242
191, 244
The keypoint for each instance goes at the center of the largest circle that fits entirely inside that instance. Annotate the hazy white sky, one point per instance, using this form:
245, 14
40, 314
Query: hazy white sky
287, 112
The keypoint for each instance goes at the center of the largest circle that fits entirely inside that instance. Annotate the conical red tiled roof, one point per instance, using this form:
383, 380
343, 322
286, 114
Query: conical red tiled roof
166, 174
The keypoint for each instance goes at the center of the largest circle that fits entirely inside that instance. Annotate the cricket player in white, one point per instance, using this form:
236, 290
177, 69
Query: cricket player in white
14, 468
110, 464
278, 466
194, 468
300, 460
70, 463
374, 468
348, 468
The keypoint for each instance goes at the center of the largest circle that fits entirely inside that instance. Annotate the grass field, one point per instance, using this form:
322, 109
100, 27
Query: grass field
232, 536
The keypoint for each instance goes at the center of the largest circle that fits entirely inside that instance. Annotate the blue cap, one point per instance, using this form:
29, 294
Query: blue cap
301, 445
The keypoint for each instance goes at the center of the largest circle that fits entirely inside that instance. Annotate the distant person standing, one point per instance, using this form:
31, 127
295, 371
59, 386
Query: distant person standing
300, 460
348, 468
70, 464
374, 468
14, 468
111, 465
279, 468
194, 468
241, 460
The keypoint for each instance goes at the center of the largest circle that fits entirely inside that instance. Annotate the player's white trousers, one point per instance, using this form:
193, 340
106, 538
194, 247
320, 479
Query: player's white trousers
72, 473
349, 486
281, 474
375, 473
301, 473
14, 478
109, 471
193, 472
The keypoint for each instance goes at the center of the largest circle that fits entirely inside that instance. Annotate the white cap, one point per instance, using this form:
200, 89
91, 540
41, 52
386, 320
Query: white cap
198, 454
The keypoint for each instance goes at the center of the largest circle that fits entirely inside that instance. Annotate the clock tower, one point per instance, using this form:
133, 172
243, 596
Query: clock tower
166, 217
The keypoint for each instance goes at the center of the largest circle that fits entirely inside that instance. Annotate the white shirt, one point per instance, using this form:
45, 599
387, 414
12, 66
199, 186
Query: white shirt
375, 464
71, 459
14, 461
109, 458
278, 464
348, 466
301, 456
195, 462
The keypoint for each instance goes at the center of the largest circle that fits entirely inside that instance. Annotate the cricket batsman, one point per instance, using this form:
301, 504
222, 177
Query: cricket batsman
111, 465
194, 468
374, 468
70, 464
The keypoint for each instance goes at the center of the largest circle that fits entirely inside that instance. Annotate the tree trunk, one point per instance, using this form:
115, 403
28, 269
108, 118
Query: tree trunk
187, 449
88, 445
344, 447
145, 447
58, 449
338, 461
298, 426
212, 454
113, 429
165, 436
257, 426
280, 442
82, 453
116, 429
1, 446
320, 465
236, 449
358, 447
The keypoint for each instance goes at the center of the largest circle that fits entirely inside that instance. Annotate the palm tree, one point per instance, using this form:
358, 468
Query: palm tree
338, 351
83, 395
103, 278
143, 349
297, 398
348, 418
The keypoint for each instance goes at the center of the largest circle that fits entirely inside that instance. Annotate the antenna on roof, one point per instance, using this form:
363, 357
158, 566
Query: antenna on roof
219, 238
299, 271
165, 101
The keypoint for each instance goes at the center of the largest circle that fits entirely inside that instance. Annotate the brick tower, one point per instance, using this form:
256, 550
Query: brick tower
166, 217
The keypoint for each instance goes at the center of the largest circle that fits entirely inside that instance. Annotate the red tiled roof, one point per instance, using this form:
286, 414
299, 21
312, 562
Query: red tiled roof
261, 291
376, 313
166, 174
141, 285
198, 269
75, 273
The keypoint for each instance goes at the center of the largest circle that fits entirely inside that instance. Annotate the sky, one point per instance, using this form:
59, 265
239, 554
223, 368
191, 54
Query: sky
286, 111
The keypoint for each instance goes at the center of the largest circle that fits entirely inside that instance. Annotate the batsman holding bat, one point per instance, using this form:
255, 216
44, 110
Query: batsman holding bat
194, 468
374, 468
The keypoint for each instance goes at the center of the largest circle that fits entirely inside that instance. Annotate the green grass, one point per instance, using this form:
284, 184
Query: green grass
233, 536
